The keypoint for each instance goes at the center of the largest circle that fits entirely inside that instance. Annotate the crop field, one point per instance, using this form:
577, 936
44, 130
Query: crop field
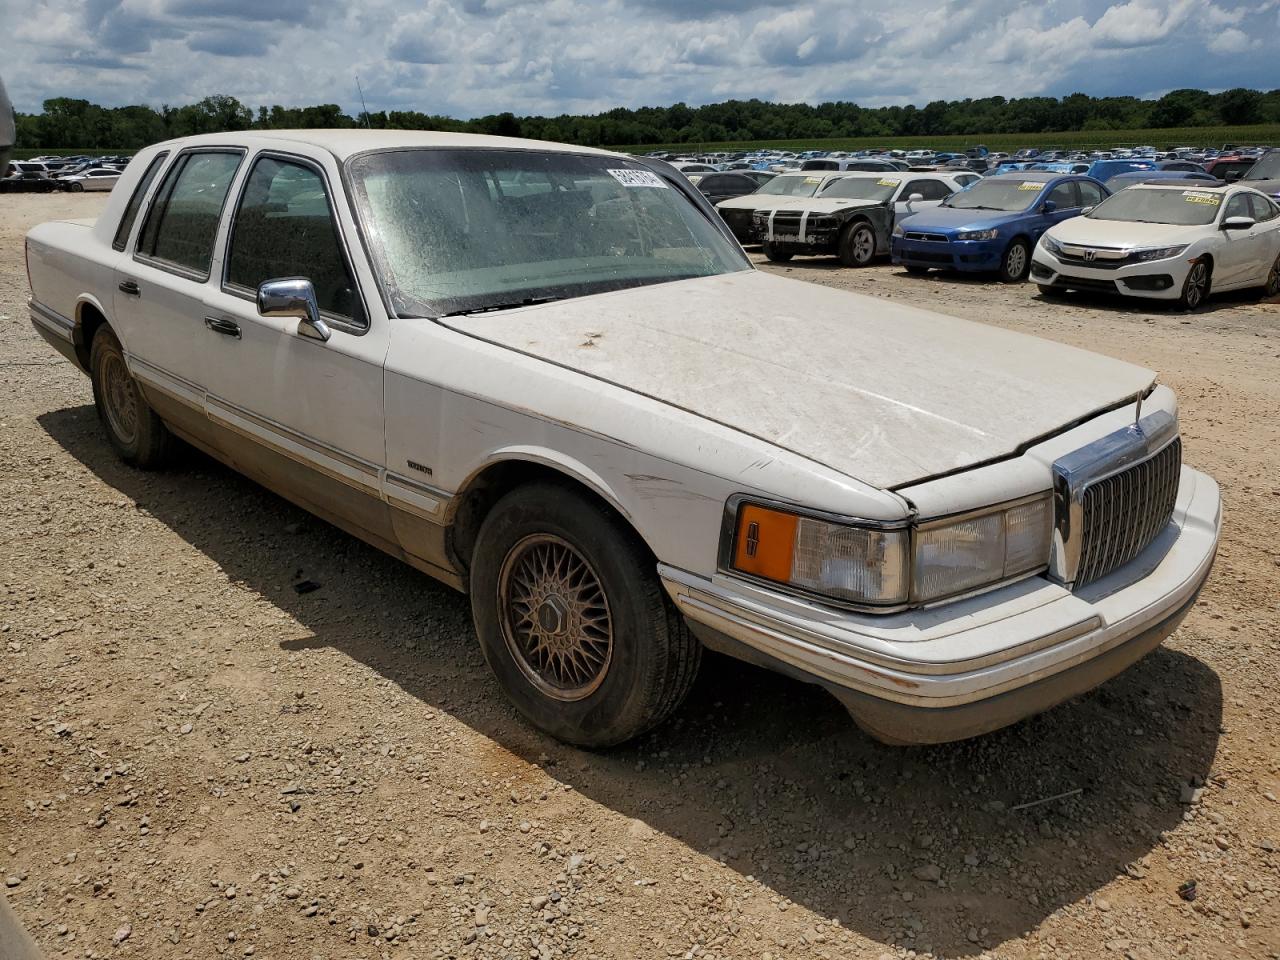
1268, 133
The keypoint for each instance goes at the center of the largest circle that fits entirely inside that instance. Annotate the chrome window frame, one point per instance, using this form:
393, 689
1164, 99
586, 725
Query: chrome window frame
1075, 472
181, 157
351, 325
144, 192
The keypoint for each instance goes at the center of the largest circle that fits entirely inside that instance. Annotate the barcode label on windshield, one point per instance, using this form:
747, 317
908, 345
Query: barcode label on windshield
1195, 196
637, 178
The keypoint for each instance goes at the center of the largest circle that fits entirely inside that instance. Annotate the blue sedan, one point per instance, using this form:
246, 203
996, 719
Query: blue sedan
993, 225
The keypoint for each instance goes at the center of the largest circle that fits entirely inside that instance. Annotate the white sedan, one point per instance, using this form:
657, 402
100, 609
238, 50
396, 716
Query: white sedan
99, 178
547, 376
1167, 242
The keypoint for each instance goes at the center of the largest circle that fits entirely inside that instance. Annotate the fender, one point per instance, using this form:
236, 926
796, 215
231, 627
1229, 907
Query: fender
544, 456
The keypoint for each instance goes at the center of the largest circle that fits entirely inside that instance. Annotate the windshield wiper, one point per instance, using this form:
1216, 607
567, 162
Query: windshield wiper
494, 307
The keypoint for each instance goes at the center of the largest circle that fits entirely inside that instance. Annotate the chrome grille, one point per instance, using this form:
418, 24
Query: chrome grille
1122, 514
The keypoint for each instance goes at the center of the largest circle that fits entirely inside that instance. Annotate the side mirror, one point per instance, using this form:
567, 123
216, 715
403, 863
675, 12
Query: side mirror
294, 298
1085, 211
915, 198
1049, 206
1238, 223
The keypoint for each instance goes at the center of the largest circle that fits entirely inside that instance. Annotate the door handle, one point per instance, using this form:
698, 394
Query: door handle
130, 287
228, 328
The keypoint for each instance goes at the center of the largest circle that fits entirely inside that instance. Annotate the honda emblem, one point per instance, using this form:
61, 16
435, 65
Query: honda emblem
1091, 255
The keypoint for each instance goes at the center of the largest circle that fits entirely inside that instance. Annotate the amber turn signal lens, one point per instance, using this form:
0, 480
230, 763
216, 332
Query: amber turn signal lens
765, 543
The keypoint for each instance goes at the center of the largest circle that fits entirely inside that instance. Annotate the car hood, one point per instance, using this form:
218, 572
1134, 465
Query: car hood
1123, 233
757, 201
825, 204
942, 219
884, 393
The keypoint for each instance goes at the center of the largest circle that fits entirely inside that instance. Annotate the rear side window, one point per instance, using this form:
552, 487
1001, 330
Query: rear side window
183, 219
1090, 193
135, 201
284, 228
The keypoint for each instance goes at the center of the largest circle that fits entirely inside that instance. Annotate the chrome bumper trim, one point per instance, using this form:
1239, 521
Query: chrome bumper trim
51, 320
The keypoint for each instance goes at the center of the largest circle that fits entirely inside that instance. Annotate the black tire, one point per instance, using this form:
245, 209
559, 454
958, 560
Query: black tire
133, 428
651, 658
1272, 288
1016, 262
1195, 288
916, 271
76, 187
775, 255
857, 244
1053, 293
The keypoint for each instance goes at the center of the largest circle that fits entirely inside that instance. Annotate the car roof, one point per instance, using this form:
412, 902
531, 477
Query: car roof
1207, 186
346, 143
1040, 176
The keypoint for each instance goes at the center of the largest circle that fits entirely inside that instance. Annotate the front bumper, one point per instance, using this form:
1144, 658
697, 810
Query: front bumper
1158, 279
972, 255
974, 665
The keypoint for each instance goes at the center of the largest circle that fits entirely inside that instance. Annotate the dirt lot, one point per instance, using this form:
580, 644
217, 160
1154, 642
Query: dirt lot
196, 761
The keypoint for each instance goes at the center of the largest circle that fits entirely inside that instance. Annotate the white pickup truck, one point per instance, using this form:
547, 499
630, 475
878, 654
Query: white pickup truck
550, 377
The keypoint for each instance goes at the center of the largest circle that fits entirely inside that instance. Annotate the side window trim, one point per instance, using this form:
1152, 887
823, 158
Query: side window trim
160, 205
358, 325
151, 179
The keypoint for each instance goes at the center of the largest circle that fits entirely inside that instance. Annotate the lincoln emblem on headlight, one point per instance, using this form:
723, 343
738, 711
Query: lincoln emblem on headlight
753, 538
1091, 254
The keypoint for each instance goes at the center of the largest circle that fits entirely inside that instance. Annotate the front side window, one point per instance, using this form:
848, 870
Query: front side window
1263, 209
1064, 196
284, 228
929, 189
1238, 206
1090, 193
135, 202
183, 219
448, 237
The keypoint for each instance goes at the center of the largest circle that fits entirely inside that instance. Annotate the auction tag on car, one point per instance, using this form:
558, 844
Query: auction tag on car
1197, 196
887, 183
637, 178
812, 179
1030, 185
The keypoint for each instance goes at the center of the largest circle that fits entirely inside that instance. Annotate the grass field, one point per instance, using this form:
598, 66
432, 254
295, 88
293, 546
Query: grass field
1008, 142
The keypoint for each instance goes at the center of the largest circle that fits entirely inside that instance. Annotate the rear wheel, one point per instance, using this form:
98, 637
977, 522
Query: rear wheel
1016, 261
573, 620
137, 434
857, 245
775, 255
1272, 288
1195, 289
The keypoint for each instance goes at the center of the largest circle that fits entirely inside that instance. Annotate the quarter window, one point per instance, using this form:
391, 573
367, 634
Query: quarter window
183, 219
284, 228
135, 202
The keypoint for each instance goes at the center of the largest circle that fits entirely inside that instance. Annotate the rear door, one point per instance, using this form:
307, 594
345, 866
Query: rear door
158, 300
302, 402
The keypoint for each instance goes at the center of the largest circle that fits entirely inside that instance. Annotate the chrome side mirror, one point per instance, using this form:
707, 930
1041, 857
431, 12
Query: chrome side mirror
294, 298
1238, 223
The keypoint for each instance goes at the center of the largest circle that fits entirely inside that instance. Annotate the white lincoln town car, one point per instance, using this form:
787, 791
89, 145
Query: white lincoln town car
548, 376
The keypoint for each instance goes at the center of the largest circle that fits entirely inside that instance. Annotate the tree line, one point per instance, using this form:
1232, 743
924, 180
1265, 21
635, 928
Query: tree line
67, 122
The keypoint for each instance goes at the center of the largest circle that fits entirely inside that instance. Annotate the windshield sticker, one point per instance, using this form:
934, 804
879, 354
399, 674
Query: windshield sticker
812, 179
695, 177
637, 178
1030, 185
886, 182
1196, 196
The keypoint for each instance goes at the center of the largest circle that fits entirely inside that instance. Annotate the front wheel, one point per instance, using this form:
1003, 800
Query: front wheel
1016, 261
1195, 289
76, 187
1272, 288
573, 620
133, 428
775, 255
857, 245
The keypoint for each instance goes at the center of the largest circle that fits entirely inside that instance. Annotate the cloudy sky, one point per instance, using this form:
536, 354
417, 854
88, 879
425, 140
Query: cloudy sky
471, 57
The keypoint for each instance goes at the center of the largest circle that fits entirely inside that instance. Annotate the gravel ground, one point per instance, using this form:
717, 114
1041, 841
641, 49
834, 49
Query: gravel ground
196, 761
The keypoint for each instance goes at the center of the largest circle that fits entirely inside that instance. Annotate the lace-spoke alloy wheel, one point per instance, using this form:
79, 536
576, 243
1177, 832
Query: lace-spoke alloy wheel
133, 428
120, 397
555, 617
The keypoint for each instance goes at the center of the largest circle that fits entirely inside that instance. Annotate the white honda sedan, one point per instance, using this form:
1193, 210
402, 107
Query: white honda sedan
1168, 241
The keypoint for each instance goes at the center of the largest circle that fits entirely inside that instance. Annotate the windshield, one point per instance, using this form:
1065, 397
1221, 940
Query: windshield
1183, 208
793, 186
462, 230
1007, 195
1267, 167
862, 188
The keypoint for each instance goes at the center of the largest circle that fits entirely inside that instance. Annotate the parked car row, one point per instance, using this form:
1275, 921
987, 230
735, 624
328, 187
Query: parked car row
75, 174
568, 394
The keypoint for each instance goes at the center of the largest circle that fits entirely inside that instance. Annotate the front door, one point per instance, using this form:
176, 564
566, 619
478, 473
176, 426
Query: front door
1239, 258
310, 411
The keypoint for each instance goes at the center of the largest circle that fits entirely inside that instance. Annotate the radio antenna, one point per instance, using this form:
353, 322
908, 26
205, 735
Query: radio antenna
363, 105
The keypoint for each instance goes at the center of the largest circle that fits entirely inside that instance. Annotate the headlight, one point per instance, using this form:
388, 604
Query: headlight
978, 235
1158, 253
888, 565
1051, 244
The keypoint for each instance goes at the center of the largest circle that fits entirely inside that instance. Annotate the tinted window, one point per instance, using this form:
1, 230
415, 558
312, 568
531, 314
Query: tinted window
1064, 196
1090, 194
183, 220
284, 228
135, 202
929, 189
1233, 171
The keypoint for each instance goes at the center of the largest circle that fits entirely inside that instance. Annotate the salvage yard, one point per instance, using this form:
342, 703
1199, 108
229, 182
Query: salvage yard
199, 759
